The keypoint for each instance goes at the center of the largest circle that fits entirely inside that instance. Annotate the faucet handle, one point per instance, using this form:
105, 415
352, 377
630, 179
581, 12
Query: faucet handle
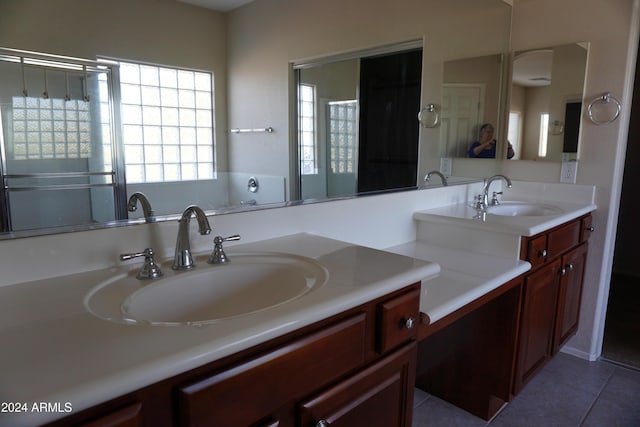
494, 199
478, 202
218, 256
150, 269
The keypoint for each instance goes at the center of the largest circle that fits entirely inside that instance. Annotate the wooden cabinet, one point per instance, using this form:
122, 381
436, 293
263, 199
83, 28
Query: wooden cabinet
537, 321
569, 295
378, 396
466, 358
552, 294
355, 368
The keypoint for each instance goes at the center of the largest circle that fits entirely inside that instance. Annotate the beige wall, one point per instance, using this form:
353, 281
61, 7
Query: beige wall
266, 35
611, 28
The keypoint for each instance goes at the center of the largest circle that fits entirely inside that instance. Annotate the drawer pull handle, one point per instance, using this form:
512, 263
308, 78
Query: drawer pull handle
322, 423
409, 323
543, 253
591, 229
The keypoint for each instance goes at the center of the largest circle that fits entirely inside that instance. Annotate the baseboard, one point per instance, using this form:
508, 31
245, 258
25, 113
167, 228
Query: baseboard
591, 357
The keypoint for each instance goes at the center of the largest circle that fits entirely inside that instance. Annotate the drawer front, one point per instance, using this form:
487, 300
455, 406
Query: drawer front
253, 390
398, 320
537, 251
129, 416
563, 239
587, 228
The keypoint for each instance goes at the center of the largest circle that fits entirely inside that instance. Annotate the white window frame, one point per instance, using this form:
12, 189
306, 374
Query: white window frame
307, 129
168, 123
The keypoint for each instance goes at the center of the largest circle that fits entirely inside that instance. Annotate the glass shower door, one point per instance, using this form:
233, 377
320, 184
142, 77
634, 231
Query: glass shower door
58, 144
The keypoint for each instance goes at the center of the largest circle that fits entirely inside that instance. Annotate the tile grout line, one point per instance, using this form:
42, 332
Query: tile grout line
595, 400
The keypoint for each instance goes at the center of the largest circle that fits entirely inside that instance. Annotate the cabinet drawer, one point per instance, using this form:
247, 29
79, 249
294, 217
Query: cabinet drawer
129, 416
587, 228
537, 251
398, 320
547, 246
563, 239
303, 365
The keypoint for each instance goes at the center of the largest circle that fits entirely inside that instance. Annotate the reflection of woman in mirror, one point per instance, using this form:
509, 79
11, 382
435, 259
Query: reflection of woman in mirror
485, 148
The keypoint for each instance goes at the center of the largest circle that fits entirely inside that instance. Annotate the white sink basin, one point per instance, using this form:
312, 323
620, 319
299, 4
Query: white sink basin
209, 293
523, 209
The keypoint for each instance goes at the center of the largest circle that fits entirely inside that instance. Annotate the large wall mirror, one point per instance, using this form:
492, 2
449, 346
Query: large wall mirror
248, 53
356, 121
472, 95
546, 102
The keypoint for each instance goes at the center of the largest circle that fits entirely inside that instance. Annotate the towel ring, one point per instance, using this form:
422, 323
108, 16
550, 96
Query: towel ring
606, 99
429, 116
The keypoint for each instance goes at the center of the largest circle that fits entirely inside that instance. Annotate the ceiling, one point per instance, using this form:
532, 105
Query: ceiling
219, 5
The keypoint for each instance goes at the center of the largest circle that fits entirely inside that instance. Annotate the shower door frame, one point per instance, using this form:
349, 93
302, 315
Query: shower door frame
118, 181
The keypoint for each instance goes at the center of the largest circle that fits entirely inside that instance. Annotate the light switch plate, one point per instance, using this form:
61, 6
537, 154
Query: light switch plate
445, 166
569, 172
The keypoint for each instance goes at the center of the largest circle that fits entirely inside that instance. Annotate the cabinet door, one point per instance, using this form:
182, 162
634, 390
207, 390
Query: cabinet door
569, 295
537, 321
380, 395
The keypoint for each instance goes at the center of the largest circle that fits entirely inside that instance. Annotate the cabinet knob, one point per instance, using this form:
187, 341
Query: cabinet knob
591, 229
322, 423
543, 253
409, 323
567, 268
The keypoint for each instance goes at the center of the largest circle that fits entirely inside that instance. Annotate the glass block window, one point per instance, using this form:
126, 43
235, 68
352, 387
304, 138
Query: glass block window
307, 129
343, 136
167, 118
46, 128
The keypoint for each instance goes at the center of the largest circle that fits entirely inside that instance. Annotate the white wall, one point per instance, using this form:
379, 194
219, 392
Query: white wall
611, 28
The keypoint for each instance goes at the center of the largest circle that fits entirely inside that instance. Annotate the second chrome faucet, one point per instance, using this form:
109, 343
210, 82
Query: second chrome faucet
183, 259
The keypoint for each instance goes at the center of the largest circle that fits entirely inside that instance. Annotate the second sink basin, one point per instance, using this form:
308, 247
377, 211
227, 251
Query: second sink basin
208, 294
523, 209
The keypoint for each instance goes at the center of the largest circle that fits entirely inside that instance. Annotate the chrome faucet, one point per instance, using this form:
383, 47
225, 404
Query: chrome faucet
144, 202
485, 190
183, 260
434, 172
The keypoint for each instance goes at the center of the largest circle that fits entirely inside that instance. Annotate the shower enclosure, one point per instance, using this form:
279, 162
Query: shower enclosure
59, 142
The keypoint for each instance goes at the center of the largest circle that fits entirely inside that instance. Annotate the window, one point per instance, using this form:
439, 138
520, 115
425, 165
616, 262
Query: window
167, 119
513, 135
307, 129
342, 135
544, 134
45, 128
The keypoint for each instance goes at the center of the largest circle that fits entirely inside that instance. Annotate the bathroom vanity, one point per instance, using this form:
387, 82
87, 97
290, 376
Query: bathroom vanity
344, 350
469, 311
505, 316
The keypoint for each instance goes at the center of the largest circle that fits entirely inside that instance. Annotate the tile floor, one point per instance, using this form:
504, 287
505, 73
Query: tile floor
568, 392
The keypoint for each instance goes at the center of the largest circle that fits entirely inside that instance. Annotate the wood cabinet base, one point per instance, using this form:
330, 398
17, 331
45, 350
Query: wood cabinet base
470, 361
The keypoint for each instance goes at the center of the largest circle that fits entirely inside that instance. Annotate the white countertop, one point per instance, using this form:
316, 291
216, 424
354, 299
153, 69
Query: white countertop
464, 276
463, 215
54, 350
477, 256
